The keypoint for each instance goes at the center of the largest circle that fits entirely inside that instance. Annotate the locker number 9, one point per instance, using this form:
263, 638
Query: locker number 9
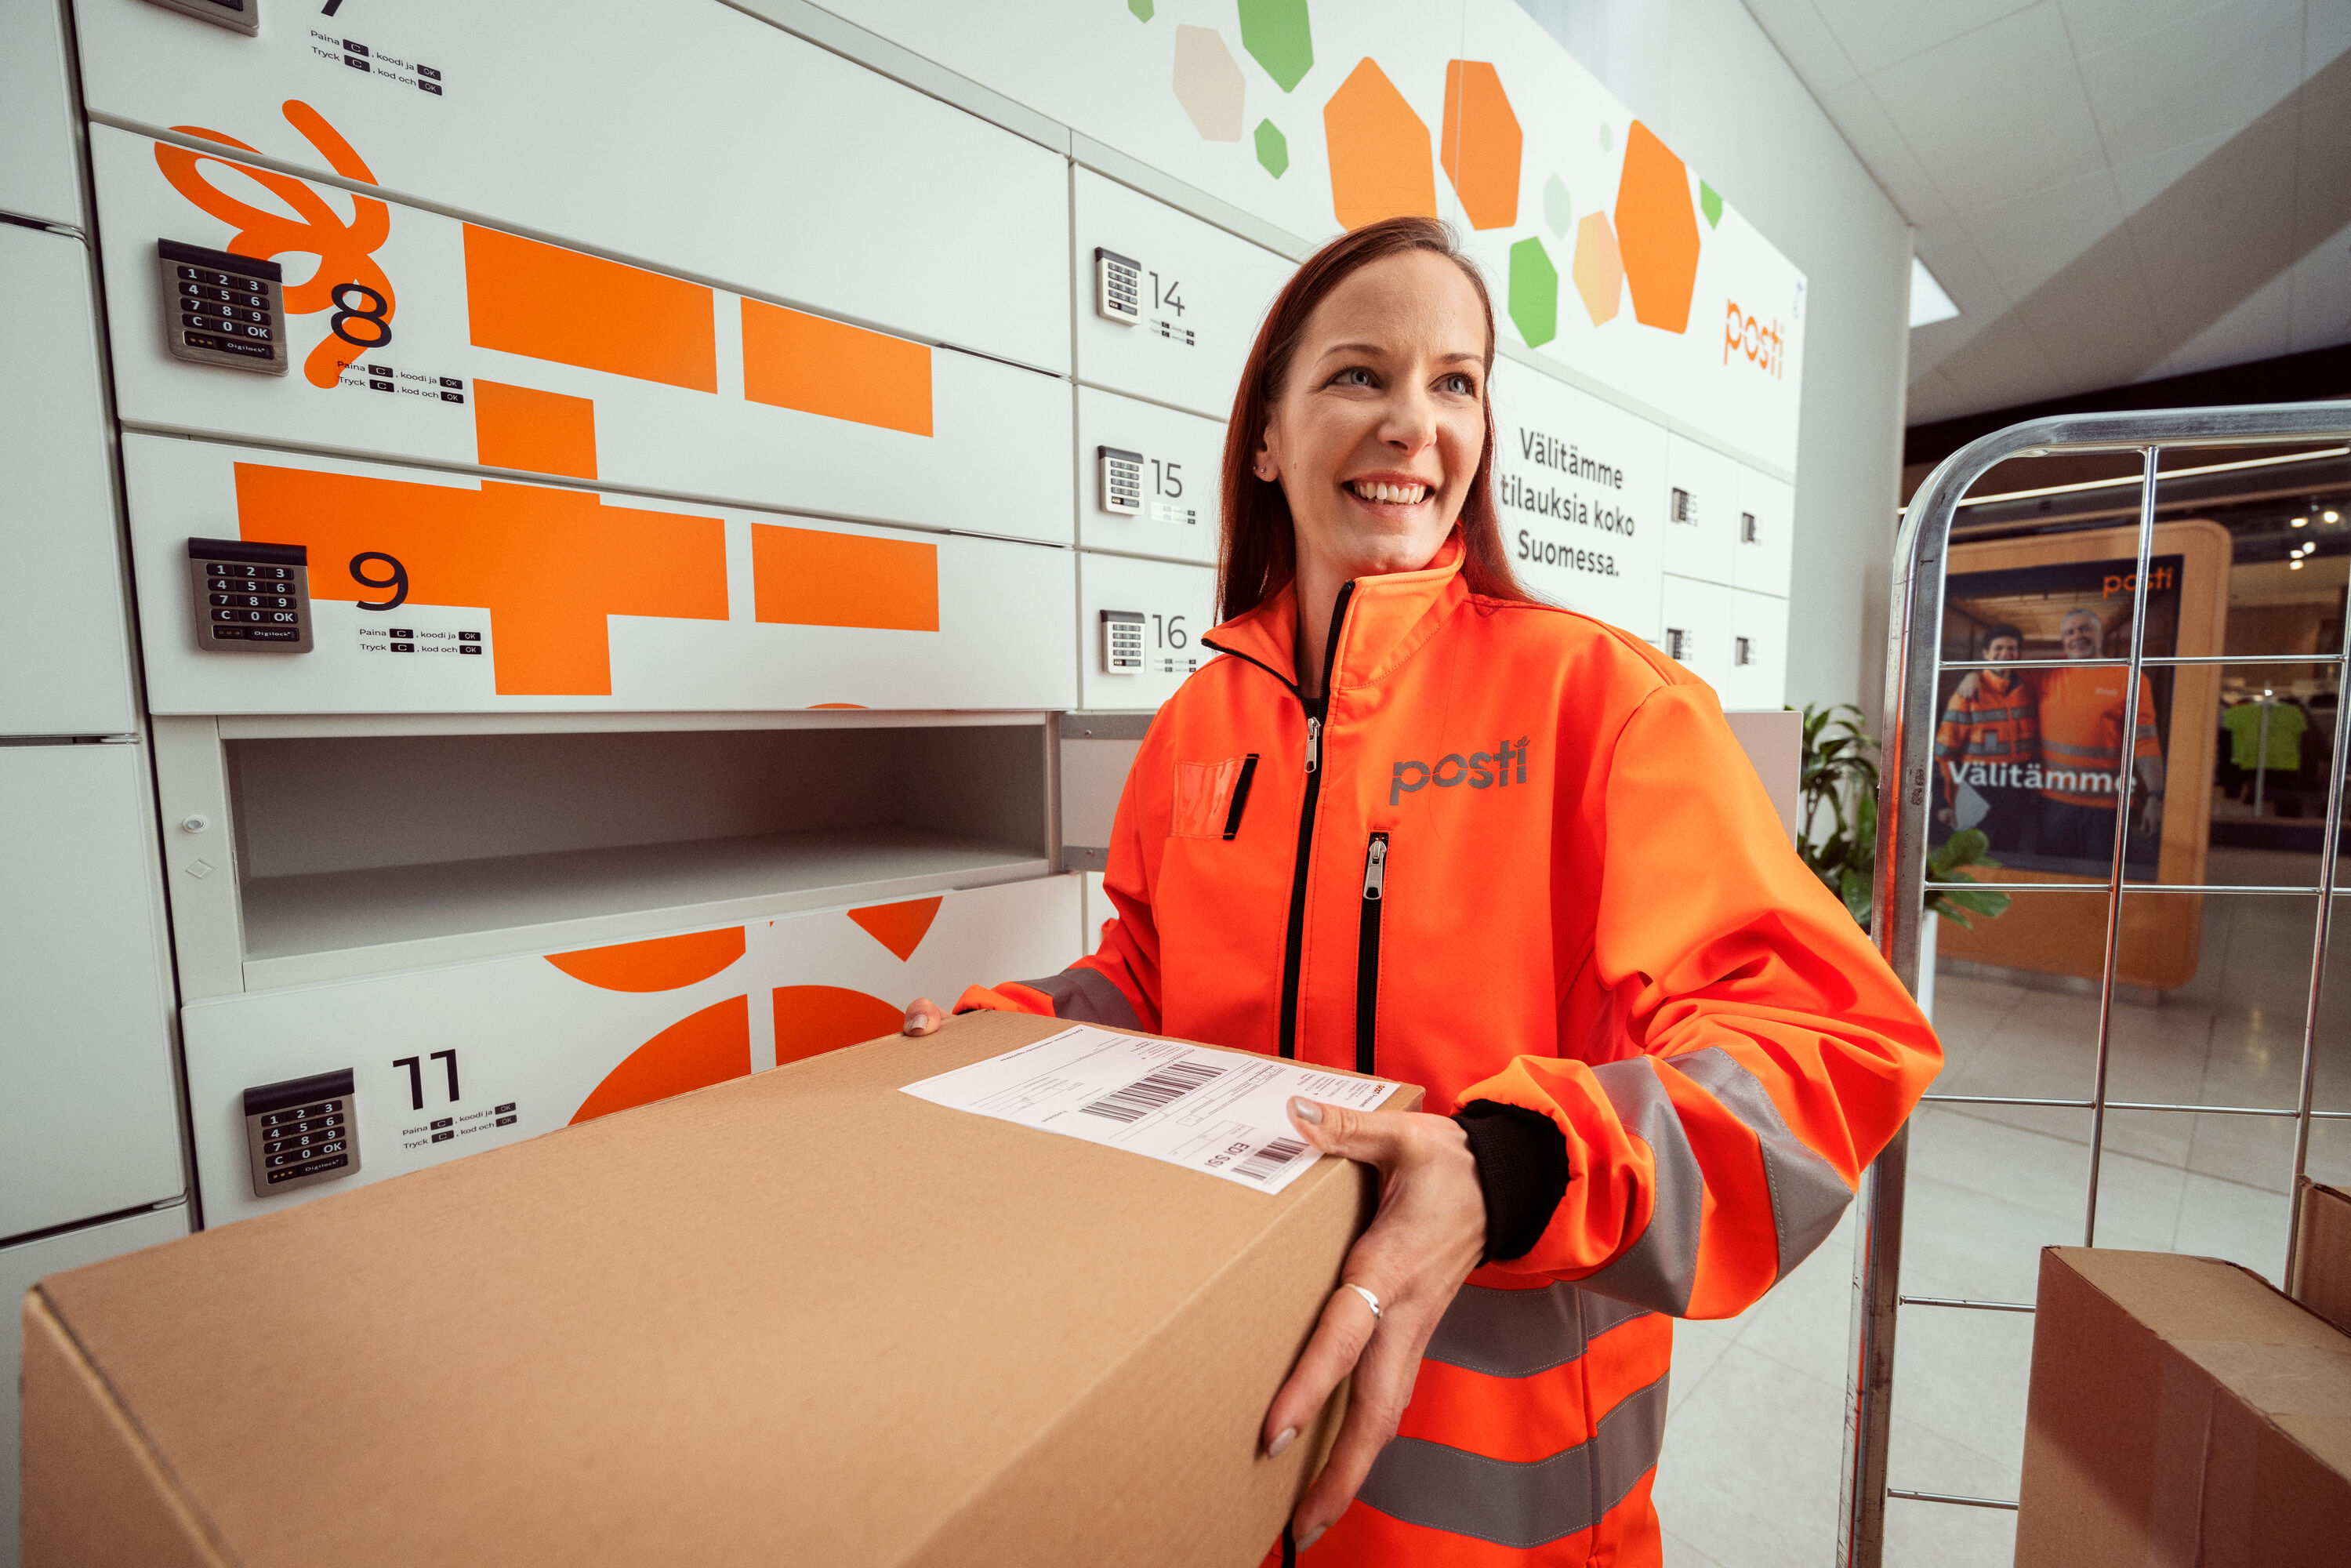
397, 581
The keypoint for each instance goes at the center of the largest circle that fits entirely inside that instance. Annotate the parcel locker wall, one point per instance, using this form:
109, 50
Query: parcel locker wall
473, 345
450, 1061
745, 156
38, 178
435, 592
65, 640
86, 1052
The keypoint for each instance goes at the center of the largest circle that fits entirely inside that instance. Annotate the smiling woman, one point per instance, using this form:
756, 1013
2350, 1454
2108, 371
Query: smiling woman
1414, 823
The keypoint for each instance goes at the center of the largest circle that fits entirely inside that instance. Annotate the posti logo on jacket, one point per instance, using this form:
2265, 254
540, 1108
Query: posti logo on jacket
1496, 769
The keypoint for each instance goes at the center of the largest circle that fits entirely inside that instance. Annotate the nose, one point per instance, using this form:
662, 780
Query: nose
1410, 421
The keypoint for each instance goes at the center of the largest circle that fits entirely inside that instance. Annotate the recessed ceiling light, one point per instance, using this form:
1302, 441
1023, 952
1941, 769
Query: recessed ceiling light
2294, 566
1928, 302
2330, 516
2299, 523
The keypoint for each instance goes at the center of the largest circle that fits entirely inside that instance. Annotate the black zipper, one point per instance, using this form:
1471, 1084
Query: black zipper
1367, 951
1241, 796
1317, 709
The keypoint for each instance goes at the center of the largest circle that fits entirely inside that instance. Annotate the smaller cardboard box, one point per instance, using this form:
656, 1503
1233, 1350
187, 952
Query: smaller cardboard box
799, 1317
2322, 1254
2181, 1411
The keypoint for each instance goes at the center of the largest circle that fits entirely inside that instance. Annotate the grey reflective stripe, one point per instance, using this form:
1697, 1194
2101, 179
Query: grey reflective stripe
1509, 1504
2095, 753
1807, 1194
1087, 996
1517, 1333
1658, 1268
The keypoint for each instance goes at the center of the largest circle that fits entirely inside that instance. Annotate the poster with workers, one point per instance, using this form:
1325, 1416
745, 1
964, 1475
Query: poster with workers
2031, 748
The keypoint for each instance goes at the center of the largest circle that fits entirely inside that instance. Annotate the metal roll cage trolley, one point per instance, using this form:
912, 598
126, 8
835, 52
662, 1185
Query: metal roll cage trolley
1905, 802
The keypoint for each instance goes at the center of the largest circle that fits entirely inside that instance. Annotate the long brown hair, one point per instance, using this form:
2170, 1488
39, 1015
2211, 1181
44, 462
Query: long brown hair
1259, 554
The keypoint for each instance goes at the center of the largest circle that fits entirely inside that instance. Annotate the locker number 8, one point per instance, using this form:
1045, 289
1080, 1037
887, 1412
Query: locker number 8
376, 307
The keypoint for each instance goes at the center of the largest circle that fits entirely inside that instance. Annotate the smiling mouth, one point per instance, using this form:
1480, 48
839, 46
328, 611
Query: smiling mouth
1382, 492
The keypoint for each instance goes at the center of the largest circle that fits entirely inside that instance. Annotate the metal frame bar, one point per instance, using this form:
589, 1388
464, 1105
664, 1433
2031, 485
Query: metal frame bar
1904, 802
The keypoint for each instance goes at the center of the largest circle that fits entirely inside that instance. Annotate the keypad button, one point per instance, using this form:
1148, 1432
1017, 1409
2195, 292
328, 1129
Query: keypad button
331, 1106
187, 274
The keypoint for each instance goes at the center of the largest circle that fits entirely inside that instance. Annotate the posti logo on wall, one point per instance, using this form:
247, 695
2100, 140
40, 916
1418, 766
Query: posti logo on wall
1606, 251
418, 336
451, 1061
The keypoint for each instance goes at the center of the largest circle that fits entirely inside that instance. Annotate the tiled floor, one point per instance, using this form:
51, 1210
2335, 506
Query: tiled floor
1755, 1434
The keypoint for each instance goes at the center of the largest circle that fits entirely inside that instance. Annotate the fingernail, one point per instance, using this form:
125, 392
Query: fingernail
1307, 1112
1307, 1540
1283, 1440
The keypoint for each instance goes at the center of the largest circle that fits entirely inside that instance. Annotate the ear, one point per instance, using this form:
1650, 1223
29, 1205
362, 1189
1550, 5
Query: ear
1264, 464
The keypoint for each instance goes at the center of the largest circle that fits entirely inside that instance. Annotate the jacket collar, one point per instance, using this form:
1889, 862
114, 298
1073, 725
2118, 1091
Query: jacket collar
1388, 618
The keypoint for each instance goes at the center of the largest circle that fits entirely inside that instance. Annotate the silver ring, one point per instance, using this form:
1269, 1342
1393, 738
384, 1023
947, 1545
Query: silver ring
1369, 1300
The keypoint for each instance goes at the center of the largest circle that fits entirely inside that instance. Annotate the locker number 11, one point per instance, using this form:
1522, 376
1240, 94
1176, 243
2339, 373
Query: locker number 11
416, 1076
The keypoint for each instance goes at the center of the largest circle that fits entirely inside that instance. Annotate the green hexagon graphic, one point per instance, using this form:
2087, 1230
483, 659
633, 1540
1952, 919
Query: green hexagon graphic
1607, 137
1144, 9
1275, 34
1558, 211
1272, 148
1709, 202
1534, 292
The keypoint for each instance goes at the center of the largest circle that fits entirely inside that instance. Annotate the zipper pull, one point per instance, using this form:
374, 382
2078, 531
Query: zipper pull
1376, 868
1313, 744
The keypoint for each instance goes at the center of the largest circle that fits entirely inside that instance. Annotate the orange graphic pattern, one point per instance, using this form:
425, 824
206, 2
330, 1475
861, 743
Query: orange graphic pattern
900, 928
538, 431
702, 1049
793, 360
345, 250
1483, 144
813, 1019
1380, 164
523, 296
550, 565
804, 577
659, 964
1657, 232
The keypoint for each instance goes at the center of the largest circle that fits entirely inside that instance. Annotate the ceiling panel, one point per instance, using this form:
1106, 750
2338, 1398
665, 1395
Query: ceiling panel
2222, 229
2208, 73
2322, 294
2029, 240
1876, 33
1870, 131
1796, 28
2251, 331
2102, 24
2019, 121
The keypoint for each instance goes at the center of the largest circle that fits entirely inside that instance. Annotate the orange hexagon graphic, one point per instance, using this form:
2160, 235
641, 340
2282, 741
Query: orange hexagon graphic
1656, 231
1481, 144
1599, 270
1379, 163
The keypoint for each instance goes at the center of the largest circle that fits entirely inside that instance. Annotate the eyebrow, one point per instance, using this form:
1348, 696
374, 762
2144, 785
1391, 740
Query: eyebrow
1378, 348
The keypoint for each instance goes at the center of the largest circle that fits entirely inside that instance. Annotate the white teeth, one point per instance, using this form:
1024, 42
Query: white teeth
1409, 495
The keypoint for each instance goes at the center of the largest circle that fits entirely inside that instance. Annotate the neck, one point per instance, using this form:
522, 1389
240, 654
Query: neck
1319, 582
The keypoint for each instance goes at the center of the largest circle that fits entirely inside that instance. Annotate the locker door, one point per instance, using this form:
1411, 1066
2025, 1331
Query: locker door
1139, 627
64, 642
40, 177
20, 1267
1759, 628
1766, 530
689, 136
1580, 485
1167, 305
1147, 479
1701, 504
1698, 630
86, 1049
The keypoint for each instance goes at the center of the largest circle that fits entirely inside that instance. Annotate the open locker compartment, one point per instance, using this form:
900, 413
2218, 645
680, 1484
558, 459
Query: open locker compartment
361, 853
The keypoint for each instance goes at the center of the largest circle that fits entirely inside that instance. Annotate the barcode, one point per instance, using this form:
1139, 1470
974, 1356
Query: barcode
1145, 1095
1271, 1158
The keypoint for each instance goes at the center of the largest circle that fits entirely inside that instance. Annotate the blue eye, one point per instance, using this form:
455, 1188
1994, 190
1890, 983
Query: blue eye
1354, 376
1460, 383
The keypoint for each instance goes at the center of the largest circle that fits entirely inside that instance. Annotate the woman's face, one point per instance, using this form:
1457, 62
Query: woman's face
1379, 429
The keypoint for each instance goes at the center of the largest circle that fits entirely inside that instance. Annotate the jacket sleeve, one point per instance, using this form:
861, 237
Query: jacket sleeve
1748, 1051
1118, 984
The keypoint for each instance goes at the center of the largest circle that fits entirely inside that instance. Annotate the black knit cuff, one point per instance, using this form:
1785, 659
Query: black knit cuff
1522, 1167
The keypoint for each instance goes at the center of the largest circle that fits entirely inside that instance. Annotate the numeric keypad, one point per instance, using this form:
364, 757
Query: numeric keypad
222, 310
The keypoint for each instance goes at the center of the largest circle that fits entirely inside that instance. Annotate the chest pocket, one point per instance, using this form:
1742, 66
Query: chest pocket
1210, 797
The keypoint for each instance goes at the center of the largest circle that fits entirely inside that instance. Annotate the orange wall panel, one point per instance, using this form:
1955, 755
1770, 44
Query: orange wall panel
538, 431
805, 577
526, 297
793, 360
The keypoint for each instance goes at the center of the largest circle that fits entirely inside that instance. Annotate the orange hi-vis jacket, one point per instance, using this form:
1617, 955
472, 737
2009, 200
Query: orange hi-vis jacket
1998, 726
1518, 858
2082, 732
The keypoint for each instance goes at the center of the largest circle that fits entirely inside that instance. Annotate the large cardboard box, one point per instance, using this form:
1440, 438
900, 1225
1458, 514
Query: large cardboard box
2321, 1253
796, 1318
2182, 1412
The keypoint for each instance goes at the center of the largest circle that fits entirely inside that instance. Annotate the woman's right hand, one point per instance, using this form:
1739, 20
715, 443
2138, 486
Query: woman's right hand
924, 1015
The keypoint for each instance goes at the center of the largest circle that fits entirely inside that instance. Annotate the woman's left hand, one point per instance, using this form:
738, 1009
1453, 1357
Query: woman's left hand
1428, 1234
